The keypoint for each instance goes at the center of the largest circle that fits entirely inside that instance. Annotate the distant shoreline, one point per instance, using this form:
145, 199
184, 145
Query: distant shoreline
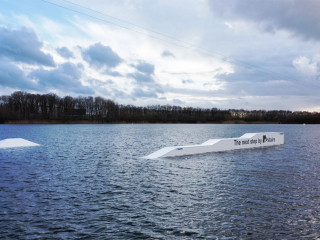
27, 108
96, 122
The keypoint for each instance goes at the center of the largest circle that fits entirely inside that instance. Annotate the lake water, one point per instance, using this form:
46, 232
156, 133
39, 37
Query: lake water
90, 182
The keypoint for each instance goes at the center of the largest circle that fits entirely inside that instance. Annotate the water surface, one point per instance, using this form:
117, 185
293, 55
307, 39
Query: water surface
90, 182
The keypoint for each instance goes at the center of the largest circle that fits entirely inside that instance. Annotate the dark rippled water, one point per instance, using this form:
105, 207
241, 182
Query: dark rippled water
89, 182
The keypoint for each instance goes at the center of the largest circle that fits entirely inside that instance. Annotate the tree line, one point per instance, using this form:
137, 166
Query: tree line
23, 106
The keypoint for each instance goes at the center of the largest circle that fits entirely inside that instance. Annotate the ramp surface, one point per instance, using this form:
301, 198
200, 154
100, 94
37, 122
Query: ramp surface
16, 142
248, 140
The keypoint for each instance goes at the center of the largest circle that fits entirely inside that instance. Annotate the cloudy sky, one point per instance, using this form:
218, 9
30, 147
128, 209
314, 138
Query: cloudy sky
249, 54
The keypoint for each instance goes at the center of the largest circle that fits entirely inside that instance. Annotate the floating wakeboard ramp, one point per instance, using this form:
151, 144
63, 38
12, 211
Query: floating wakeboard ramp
248, 140
16, 142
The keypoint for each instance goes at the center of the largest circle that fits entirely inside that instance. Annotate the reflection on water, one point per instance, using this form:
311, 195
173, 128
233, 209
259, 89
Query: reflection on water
88, 181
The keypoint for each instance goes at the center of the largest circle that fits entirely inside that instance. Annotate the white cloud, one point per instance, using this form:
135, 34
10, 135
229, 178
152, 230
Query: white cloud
258, 68
308, 68
132, 47
229, 25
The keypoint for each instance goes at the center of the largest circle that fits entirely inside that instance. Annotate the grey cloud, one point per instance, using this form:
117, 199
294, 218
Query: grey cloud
156, 88
144, 67
275, 79
145, 72
101, 56
186, 81
245, 75
146, 87
261, 67
23, 45
65, 52
98, 83
272, 80
11, 76
271, 88
113, 93
141, 93
113, 73
141, 77
298, 17
193, 92
66, 78
167, 53
178, 101
106, 88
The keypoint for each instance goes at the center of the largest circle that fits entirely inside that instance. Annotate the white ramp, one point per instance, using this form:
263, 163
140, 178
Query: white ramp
248, 140
16, 142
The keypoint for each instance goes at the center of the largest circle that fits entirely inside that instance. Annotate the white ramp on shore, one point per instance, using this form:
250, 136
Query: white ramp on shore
248, 140
16, 142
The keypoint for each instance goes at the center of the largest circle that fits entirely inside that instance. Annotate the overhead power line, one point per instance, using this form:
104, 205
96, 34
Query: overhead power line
153, 34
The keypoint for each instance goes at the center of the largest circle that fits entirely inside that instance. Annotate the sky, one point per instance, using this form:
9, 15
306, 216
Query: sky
236, 54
